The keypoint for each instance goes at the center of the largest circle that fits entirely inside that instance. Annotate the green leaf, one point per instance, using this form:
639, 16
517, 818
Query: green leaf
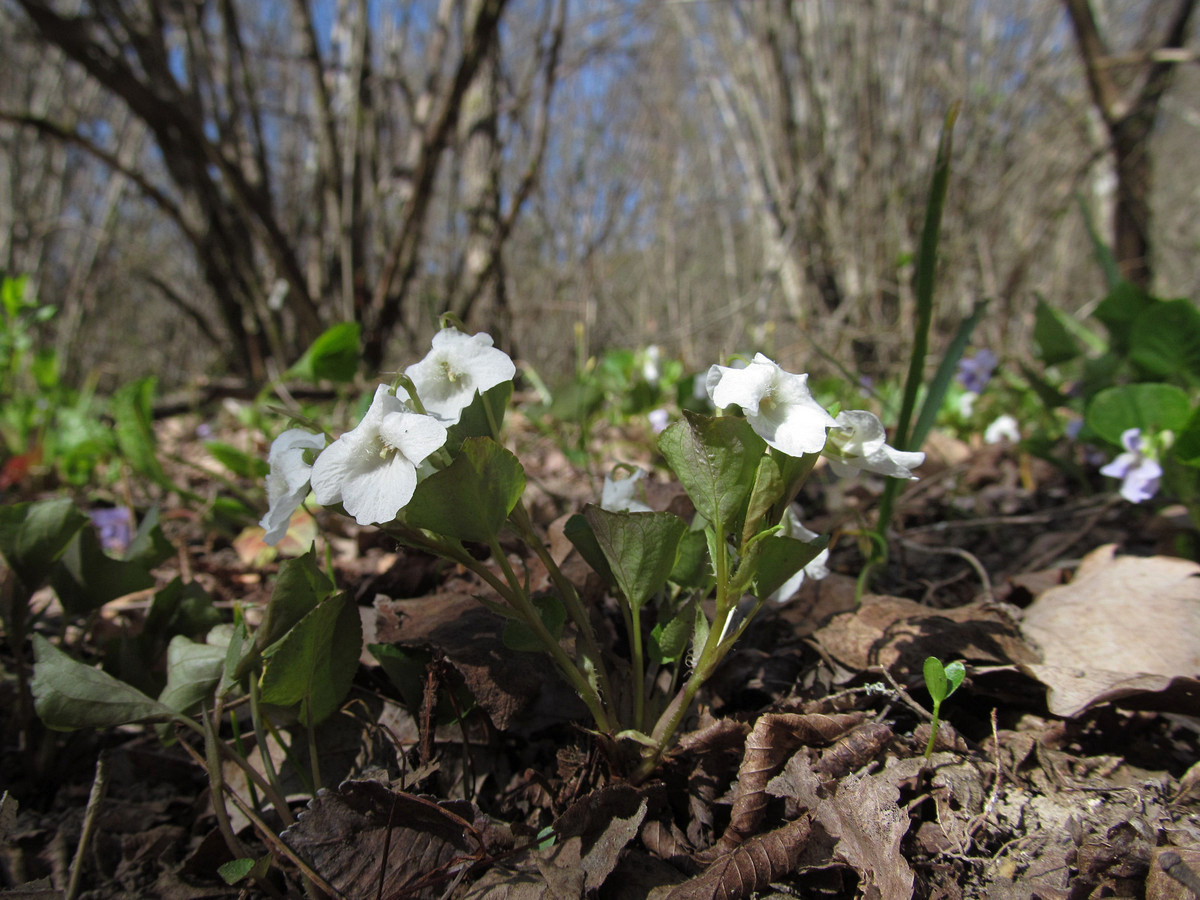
640, 548
235, 870
314, 664
239, 462
181, 608
580, 534
1152, 407
332, 357
299, 588
193, 670
693, 569
149, 547
1118, 311
69, 695
1166, 340
471, 498
768, 489
1055, 343
669, 639
34, 535
779, 558
935, 679
955, 673
715, 459
132, 412
1187, 442
476, 420
943, 377
519, 636
86, 578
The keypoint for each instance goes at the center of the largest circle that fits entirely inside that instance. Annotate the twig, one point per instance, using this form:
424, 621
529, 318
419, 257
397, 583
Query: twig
980, 820
971, 558
90, 817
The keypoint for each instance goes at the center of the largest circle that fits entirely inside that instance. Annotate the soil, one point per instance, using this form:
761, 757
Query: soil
1064, 767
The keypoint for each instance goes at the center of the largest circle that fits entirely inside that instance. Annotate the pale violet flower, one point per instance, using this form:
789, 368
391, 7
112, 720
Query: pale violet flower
778, 405
621, 495
659, 420
458, 366
372, 469
816, 568
287, 482
1005, 428
859, 443
974, 372
1139, 472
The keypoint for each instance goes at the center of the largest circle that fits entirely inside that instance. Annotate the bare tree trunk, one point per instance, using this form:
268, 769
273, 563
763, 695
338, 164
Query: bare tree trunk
1130, 113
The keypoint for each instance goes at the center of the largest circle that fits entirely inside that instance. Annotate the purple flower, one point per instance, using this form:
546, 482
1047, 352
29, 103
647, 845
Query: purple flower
1139, 473
659, 420
115, 527
974, 372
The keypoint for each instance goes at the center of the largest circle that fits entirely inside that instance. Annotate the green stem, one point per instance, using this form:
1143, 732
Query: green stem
933, 730
639, 685
514, 594
570, 596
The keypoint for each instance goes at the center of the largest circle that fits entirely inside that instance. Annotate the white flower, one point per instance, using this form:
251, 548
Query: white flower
287, 482
659, 420
859, 442
456, 368
778, 405
372, 470
650, 364
1005, 428
621, 495
816, 569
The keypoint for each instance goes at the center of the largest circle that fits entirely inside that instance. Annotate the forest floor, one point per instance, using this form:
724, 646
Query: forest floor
1065, 766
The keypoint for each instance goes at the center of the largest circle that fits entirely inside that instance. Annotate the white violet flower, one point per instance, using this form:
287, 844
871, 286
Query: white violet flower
622, 495
372, 469
287, 482
458, 366
816, 568
1004, 428
859, 442
778, 405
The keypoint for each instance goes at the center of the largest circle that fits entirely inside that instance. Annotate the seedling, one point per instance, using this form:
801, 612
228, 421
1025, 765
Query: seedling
941, 681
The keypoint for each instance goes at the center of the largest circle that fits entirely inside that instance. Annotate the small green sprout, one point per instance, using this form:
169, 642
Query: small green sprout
941, 681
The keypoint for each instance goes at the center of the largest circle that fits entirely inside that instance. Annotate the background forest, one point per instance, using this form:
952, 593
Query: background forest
201, 187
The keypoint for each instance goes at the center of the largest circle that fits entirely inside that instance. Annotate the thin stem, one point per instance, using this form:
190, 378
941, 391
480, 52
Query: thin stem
639, 686
520, 520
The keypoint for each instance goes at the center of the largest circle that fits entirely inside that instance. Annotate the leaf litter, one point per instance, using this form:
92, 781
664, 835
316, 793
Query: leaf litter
1066, 766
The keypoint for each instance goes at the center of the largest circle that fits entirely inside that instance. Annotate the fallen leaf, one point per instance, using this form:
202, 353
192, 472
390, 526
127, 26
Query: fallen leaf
1124, 627
899, 634
363, 834
864, 815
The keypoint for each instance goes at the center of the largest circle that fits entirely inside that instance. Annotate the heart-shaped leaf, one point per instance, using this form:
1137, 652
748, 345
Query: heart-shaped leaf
69, 695
640, 548
715, 459
471, 498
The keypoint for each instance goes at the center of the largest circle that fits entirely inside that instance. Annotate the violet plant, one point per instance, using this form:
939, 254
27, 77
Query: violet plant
427, 465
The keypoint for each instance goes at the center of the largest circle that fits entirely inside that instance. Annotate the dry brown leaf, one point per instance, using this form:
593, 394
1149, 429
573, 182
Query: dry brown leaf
589, 839
775, 736
1125, 626
363, 831
510, 686
751, 867
898, 634
864, 815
